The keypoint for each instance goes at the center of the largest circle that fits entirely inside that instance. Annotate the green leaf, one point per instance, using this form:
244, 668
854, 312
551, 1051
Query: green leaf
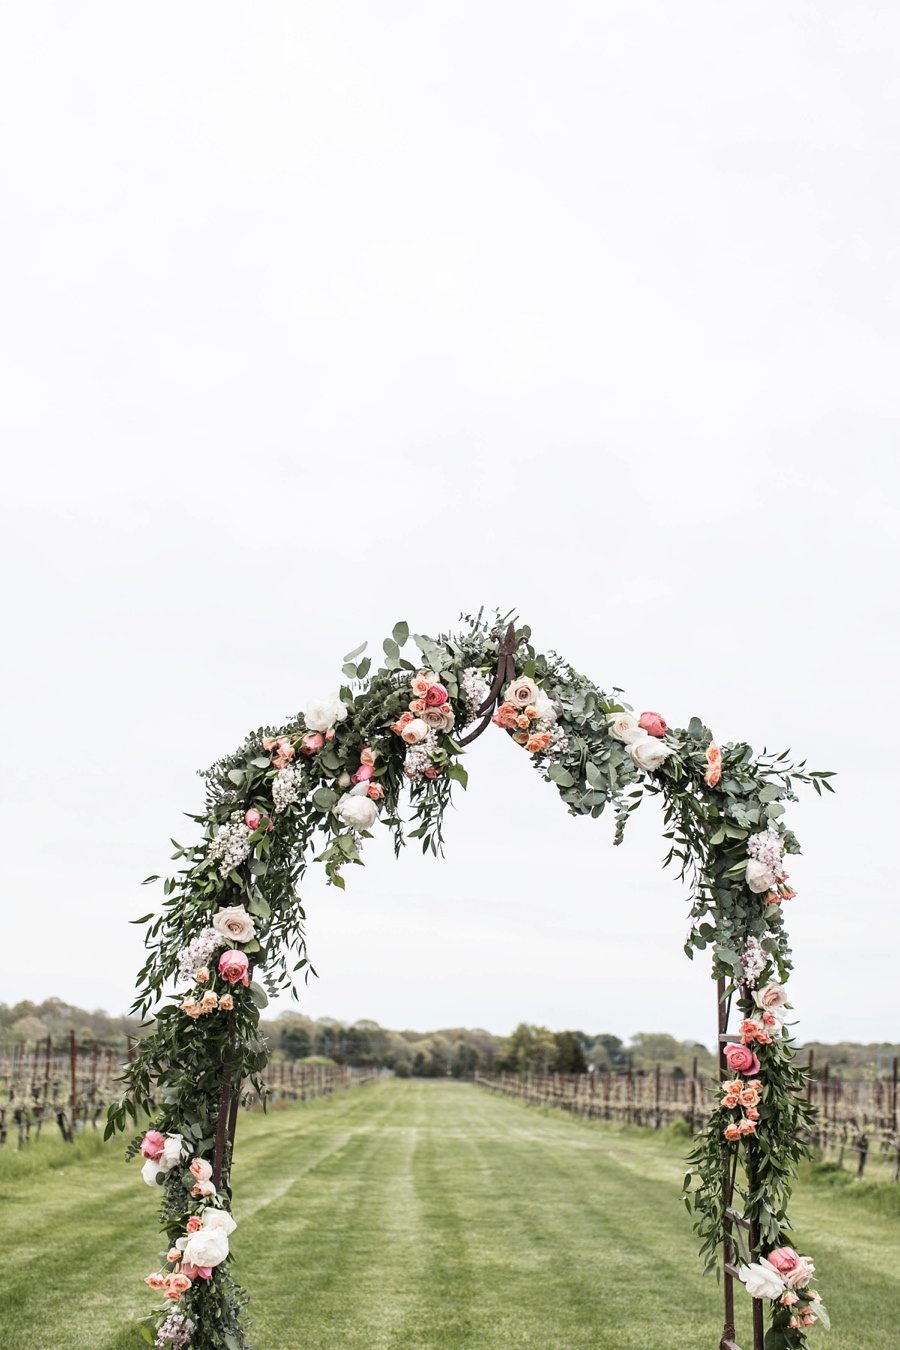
258, 994
143, 920
363, 668
596, 777
401, 633
458, 774
357, 651
349, 670
237, 776
391, 651
561, 776
325, 798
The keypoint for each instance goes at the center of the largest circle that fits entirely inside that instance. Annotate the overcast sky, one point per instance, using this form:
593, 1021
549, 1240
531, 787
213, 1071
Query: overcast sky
316, 317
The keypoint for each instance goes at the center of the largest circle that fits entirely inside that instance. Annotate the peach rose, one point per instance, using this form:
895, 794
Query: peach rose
730, 1100
202, 1188
415, 730
521, 721
521, 738
202, 975
752, 1113
176, 1285
418, 706
156, 1281
421, 683
732, 1133
505, 716
402, 721
226, 1003
539, 742
375, 791
714, 765
747, 1127
208, 1001
367, 756
194, 1224
191, 1006
173, 1256
750, 1030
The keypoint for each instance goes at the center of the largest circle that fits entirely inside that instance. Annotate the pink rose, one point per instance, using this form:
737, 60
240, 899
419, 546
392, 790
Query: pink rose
152, 1145
194, 1224
784, 1259
200, 1169
363, 773
312, 742
375, 791
196, 1272
269, 742
741, 1059
252, 819
435, 696
233, 967
653, 723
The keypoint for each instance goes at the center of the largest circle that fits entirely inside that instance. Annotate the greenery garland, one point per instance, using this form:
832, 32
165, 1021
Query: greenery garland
231, 929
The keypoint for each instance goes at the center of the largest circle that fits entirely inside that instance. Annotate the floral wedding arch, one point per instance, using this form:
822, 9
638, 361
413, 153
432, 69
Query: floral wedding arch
231, 927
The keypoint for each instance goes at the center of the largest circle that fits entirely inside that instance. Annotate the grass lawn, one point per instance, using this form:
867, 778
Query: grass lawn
423, 1214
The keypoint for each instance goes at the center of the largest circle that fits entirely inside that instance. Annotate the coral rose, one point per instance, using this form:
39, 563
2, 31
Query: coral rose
375, 791
653, 723
435, 696
234, 967
176, 1285
505, 716
194, 1224
741, 1059
539, 742
749, 1030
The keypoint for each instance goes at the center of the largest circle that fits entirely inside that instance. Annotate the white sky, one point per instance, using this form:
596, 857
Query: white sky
315, 317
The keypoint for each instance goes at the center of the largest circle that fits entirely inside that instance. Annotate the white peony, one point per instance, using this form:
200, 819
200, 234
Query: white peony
150, 1171
648, 752
218, 1219
322, 713
546, 709
762, 1280
623, 727
357, 811
206, 1247
759, 877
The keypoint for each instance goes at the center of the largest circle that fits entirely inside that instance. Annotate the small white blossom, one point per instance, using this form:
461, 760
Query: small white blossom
767, 847
231, 844
197, 953
285, 788
753, 961
475, 689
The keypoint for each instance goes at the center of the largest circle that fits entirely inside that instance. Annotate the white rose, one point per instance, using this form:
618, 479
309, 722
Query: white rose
322, 713
235, 924
171, 1154
218, 1219
360, 813
206, 1247
344, 780
546, 709
759, 877
762, 1280
648, 752
150, 1171
623, 727
522, 692
415, 731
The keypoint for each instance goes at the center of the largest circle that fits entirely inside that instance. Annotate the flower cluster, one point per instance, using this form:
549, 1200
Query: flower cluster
231, 843
765, 874
231, 924
175, 1331
196, 955
753, 961
204, 1243
784, 1277
474, 689
740, 1095
285, 788
532, 718
643, 737
428, 715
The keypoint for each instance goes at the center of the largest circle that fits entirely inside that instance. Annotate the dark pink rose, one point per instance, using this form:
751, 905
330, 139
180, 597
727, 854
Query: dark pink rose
741, 1059
234, 967
653, 724
152, 1145
363, 773
435, 696
784, 1259
311, 743
196, 1272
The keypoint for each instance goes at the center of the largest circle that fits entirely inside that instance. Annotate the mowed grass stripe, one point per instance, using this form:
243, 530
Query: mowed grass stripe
427, 1215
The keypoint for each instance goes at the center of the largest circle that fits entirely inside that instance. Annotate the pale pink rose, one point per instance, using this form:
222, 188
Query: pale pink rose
417, 706
740, 1059
522, 691
252, 819
173, 1256
375, 791
269, 742
367, 756
772, 996
363, 773
202, 975
234, 967
436, 695
226, 1003
200, 1169
197, 1272
152, 1145
312, 742
653, 723
202, 1188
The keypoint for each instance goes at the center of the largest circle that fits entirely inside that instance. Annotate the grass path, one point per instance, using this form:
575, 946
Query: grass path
422, 1215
